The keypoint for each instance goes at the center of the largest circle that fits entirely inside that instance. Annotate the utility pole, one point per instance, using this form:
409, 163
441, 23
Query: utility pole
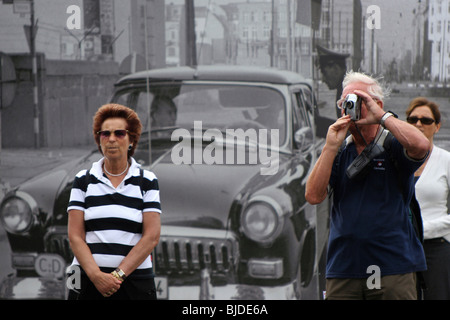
1, 98
34, 76
372, 52
289, 36
191, 49
147, 81
273, 34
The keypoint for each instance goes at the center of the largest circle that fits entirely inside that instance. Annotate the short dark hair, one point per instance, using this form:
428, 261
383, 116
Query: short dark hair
422, 101
113, 110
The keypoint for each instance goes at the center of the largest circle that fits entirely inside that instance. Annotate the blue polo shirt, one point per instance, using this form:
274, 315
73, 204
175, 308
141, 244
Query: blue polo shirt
370, 222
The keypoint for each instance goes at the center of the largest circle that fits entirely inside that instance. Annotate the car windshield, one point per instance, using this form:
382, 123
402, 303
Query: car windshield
213, 106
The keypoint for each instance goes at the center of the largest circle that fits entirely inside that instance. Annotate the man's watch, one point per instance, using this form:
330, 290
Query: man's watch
385, 116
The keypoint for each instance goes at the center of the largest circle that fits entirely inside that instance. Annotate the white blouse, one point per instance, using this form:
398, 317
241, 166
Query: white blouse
432, 192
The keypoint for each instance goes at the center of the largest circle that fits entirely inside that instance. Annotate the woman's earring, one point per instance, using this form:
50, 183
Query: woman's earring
130, 147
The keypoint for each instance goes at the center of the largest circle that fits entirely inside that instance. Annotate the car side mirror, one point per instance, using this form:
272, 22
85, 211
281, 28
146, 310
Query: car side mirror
304, 139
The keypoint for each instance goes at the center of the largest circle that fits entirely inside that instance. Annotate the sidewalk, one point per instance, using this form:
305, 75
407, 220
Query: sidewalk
19, 165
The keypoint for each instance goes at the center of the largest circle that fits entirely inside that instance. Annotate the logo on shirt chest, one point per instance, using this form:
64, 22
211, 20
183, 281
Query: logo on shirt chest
379, 164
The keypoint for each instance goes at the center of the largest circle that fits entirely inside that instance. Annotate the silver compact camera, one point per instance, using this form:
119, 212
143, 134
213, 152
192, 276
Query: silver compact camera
352, 106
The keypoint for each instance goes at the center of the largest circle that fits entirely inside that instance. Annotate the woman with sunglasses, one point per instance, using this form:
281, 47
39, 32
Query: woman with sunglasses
432, 192
114, 214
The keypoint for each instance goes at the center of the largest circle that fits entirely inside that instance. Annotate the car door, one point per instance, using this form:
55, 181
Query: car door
305, 117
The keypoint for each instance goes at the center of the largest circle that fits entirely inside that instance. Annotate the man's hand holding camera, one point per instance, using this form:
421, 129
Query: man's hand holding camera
374, 109
352, 105
337, 133
372, 113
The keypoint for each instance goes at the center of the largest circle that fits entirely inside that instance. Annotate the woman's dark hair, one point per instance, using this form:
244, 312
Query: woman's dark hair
113, 110
422, 101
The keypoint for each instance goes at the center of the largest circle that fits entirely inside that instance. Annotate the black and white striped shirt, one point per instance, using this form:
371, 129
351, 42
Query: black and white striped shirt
113, 216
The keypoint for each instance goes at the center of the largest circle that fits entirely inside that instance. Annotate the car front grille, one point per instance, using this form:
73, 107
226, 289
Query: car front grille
57, 242
180, 251
184, 250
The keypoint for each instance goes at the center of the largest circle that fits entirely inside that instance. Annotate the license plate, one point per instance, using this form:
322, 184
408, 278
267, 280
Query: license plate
50, 265
162, 288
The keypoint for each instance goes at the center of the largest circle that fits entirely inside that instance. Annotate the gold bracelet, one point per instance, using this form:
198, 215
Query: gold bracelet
115, 275
119, 274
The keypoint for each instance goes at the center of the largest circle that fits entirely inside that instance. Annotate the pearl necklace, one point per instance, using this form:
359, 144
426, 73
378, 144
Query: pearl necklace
115, 175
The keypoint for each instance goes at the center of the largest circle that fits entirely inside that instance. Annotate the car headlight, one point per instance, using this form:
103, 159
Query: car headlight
17, 212
261, 219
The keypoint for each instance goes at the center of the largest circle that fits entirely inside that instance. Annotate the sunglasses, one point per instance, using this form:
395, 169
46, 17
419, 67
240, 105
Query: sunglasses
424, 120
118, 133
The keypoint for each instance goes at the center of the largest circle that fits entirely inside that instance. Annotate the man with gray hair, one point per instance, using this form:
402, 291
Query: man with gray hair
373, 251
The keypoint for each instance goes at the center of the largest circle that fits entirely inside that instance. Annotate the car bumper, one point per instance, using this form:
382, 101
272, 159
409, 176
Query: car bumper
47, 279
234, 292
230, 292
30, 288
205, 291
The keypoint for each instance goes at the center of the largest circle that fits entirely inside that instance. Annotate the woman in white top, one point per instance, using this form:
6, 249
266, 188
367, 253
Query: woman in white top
432, 192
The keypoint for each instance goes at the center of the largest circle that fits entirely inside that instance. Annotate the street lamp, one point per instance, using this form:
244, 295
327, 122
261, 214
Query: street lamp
93, 29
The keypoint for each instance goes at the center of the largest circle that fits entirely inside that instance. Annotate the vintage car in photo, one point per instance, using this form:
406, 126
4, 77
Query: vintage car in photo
232, 148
